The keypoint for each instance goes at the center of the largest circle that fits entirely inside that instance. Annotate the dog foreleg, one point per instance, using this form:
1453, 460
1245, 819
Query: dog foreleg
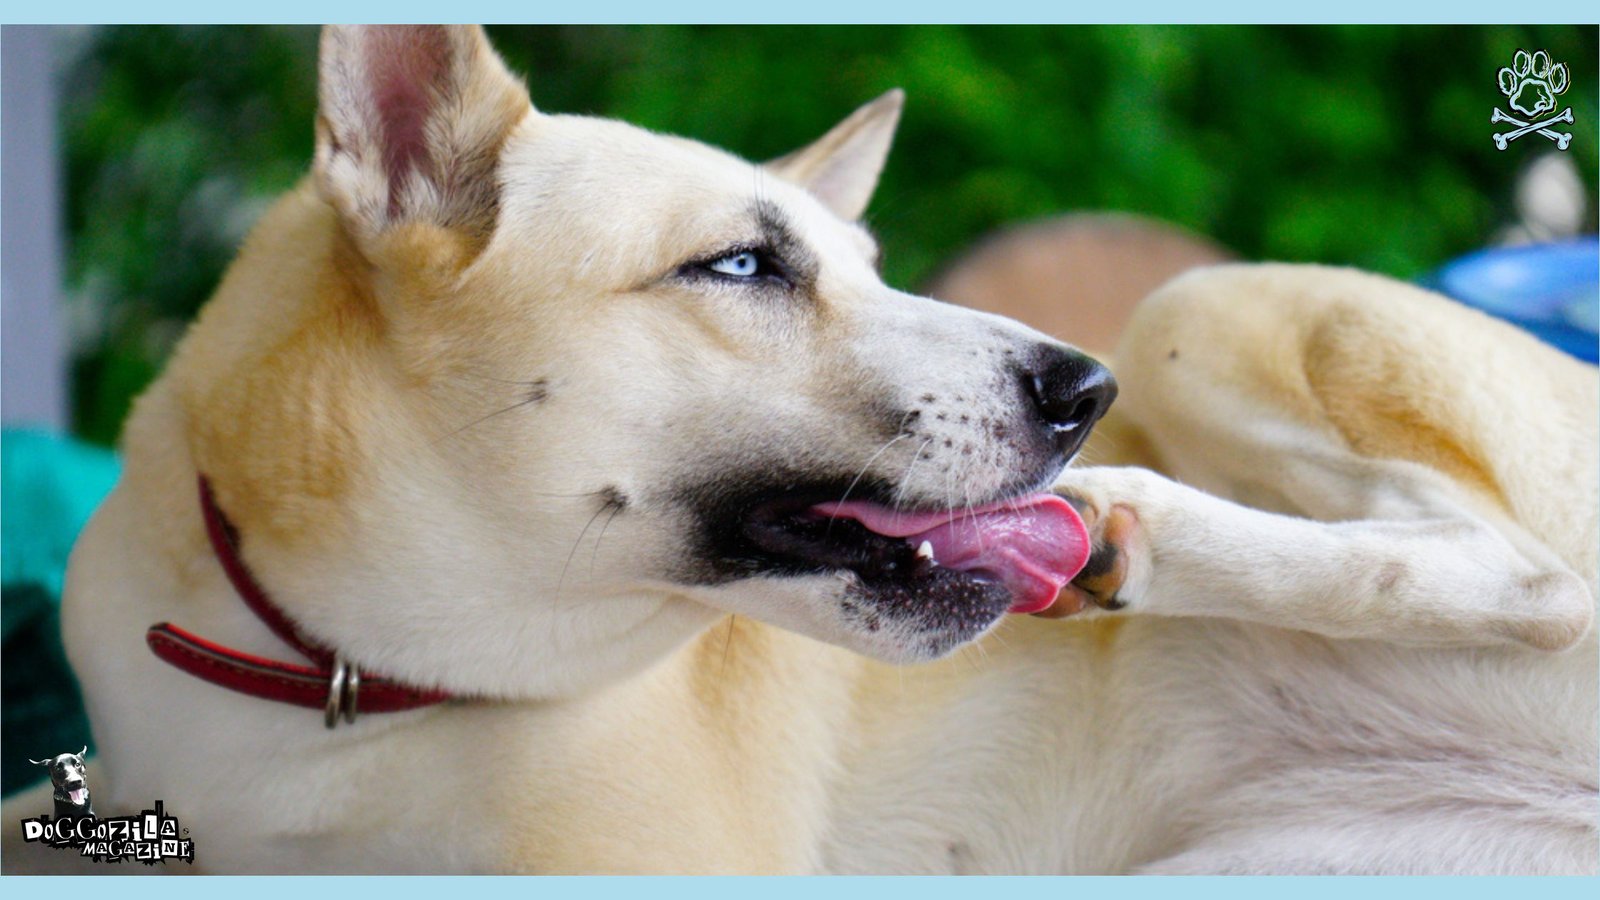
1166, 549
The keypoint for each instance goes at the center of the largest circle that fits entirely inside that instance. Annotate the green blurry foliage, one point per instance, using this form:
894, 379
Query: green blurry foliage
1366, 146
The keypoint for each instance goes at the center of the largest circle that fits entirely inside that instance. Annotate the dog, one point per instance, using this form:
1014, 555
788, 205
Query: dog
605, 460
68, 784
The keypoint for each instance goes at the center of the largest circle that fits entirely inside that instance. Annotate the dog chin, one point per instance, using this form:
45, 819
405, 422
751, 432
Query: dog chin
888, 623
908, 623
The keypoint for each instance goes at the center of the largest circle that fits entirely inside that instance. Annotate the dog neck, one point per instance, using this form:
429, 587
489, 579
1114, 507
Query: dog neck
331, 683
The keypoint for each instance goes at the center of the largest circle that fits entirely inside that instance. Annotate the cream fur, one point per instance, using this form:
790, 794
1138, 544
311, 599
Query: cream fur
1276, 697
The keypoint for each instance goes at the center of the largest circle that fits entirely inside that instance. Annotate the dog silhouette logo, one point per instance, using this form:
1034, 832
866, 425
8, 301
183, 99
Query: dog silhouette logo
1531, 85
151, 836
71, 787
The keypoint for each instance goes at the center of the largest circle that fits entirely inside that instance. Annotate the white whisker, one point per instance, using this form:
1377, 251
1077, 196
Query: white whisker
859, 475
905, 479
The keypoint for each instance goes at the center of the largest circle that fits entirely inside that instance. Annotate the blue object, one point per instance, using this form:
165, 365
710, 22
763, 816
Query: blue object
49, 484
1549, 290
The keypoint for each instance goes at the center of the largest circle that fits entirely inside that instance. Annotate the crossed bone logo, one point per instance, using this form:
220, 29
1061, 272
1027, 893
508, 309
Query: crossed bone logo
1531, 84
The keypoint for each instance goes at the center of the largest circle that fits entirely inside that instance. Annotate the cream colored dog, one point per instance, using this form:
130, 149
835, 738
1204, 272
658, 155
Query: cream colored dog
622, 442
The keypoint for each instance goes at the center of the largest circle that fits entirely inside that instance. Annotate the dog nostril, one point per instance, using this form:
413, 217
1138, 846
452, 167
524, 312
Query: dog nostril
1085, 410
1071, 392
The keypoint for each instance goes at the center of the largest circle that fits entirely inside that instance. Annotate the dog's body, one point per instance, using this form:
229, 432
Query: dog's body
484, 398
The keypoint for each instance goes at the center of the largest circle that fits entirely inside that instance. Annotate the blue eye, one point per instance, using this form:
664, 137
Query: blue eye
745, 264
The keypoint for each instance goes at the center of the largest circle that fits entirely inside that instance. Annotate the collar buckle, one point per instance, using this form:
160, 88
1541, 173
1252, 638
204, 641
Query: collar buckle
344, 689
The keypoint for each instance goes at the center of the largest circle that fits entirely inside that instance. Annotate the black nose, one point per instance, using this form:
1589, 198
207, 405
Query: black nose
1071, 392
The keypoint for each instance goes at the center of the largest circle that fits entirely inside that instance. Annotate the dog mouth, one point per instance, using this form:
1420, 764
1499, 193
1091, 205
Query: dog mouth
1018, 551
78, 795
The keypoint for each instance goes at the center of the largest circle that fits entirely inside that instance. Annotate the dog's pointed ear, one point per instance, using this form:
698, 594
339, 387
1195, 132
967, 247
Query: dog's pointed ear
842, 167
83, 751
410, 123
40, 762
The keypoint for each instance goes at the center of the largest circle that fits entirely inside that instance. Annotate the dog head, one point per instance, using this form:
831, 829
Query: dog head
533, 398
67, 775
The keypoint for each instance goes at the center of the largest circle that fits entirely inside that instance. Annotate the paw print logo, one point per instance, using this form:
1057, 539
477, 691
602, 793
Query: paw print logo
1531, 85
1531, 82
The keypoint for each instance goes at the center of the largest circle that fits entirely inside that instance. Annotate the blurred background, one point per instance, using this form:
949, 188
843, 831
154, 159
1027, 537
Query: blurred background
1355, 145
137, 158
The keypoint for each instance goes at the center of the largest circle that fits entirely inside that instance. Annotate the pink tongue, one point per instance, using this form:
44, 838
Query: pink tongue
1033, 545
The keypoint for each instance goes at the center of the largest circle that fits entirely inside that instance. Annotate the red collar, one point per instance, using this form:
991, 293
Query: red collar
331, 684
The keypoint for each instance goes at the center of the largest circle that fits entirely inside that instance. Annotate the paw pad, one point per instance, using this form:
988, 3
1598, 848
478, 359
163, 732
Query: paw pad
1100, 580
1532, 82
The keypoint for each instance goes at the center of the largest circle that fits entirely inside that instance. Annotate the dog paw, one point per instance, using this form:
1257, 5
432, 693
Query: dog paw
1549, 611
1119, 557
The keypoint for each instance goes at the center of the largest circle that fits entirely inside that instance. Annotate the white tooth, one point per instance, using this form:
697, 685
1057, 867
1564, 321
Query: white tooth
925, 551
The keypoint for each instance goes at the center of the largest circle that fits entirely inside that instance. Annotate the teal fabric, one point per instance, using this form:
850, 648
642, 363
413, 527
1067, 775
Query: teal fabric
49, 485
